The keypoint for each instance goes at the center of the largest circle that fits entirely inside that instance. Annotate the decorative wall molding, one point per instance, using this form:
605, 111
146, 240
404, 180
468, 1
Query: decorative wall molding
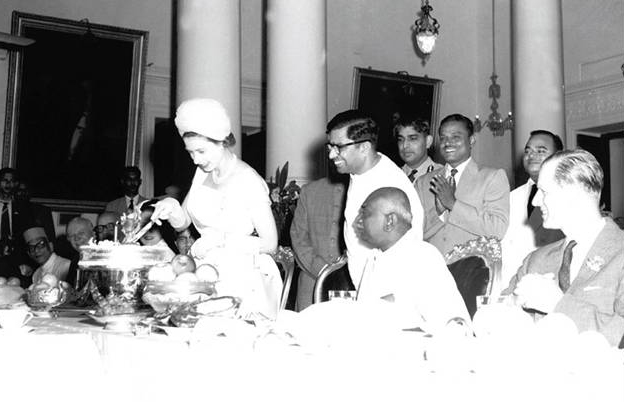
593, 103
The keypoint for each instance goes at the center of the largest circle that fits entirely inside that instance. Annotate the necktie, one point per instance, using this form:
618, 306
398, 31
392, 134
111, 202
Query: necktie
564, 271
412, 175
452, 179
131, 205
530, 206
5, 230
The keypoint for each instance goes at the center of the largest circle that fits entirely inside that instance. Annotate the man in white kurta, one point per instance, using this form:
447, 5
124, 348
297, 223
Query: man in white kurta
352, 141
404, 270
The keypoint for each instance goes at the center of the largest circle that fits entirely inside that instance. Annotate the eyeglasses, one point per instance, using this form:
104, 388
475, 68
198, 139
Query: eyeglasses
39, 246
339, 147
101, 228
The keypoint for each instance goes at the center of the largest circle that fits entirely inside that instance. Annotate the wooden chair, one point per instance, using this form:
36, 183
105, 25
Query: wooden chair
476, 267
285, 257
323, 274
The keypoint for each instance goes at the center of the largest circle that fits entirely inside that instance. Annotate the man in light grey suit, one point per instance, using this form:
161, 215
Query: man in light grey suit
581, 275
462, 200
130, 182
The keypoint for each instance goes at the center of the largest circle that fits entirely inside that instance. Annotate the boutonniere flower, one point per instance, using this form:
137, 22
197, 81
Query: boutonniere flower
595, 263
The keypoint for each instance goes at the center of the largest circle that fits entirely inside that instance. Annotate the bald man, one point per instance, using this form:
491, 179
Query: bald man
405, 270
79, 232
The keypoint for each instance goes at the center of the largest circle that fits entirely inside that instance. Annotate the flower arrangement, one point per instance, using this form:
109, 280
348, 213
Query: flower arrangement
283, 202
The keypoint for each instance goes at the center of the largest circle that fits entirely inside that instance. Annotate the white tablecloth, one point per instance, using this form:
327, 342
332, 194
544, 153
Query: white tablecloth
71, 359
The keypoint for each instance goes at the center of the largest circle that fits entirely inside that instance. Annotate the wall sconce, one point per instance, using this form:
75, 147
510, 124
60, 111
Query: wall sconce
494, 121
427, 29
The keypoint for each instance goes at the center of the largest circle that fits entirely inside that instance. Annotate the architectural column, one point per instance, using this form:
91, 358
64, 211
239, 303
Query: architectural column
537, 65
208, 62
296, 85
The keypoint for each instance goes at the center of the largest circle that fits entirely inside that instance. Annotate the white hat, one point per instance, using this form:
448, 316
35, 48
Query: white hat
206, 117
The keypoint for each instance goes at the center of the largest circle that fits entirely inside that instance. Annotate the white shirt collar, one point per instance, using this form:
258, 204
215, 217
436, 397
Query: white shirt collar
460, 169
49, 264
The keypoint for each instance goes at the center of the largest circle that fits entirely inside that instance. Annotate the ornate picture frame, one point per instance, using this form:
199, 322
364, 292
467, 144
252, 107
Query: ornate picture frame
73, 112
385, 95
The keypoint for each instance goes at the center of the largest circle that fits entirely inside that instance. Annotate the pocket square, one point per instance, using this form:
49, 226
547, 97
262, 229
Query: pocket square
588, 288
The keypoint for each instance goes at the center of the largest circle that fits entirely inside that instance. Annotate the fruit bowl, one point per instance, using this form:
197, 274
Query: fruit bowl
45, 299
166, 296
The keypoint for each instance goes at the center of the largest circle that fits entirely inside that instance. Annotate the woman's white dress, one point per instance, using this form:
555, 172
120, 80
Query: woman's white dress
227, 208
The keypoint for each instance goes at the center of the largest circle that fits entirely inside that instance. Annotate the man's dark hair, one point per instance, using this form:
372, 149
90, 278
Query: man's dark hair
555, 138
409, 120
458, 118
9, 170
360, 126
131, 169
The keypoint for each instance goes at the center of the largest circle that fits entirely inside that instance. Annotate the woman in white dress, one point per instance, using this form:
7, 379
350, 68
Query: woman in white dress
229, 205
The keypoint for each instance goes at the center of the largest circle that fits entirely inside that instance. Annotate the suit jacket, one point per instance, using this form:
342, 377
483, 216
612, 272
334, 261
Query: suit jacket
595, 299
120, 206
481, 207
316, 232
525, 233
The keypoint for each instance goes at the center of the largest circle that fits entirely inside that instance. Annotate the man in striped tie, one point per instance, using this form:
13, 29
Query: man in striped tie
462, 200
581, 275
414, 139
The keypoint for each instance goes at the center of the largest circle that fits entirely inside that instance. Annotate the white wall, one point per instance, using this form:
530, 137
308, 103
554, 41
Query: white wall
371, 33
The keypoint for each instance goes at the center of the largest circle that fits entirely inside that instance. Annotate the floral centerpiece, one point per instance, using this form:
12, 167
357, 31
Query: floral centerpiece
283, 203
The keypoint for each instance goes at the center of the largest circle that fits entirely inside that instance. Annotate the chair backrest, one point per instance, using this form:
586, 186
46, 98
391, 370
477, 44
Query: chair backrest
476, 268
323, 274
285, 257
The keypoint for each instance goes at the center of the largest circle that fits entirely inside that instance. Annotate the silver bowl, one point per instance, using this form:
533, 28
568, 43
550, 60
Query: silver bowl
126, 282
166, 296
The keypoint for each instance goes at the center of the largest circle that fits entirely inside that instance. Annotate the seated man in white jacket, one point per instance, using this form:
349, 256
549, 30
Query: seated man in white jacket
406, 271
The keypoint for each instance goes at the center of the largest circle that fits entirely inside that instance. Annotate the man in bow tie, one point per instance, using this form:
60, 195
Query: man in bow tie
462, 200
414, 139
526, 232
581, 275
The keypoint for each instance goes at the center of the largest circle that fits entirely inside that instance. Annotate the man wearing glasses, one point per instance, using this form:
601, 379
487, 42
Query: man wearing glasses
105, 228
41, 251
352, 147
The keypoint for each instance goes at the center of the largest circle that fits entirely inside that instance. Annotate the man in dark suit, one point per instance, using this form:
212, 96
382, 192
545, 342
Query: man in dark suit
130, 182
462, 200
16, 214
582, 275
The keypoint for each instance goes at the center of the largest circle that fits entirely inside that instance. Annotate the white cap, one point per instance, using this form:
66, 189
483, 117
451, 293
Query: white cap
206, 117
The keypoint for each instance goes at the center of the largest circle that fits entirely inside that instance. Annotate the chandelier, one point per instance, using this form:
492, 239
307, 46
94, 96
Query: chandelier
427, 29
494, 122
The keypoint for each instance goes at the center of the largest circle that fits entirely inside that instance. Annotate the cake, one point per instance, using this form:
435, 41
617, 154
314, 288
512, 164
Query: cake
107, 254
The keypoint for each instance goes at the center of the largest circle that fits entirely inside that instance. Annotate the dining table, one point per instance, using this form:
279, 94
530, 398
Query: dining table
73, 357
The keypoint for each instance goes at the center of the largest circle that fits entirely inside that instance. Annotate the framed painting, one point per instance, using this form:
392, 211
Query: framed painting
385, 96
74, 103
